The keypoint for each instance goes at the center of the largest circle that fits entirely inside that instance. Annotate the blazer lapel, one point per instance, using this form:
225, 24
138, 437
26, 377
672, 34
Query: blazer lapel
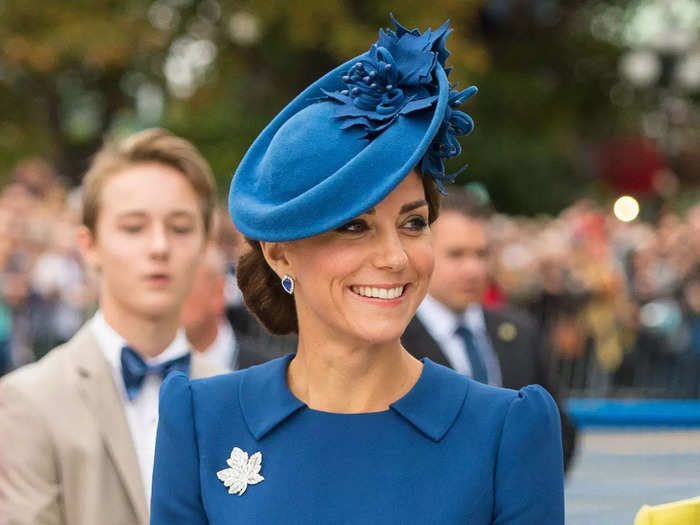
492, 330
420, 343
97, 388
506, 342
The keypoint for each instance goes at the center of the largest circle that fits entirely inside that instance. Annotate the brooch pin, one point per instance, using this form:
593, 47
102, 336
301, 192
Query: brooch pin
242, 471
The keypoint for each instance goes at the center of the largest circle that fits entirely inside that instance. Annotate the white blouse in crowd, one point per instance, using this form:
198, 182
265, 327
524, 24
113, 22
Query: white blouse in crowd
224, 350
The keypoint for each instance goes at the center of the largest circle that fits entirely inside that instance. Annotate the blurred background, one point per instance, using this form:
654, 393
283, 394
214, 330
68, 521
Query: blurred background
586, 145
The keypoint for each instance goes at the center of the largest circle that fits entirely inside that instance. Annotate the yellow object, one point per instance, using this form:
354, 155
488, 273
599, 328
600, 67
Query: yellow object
684, 512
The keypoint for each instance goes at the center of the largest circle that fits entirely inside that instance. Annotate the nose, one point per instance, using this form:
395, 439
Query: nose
390, 252
160, 246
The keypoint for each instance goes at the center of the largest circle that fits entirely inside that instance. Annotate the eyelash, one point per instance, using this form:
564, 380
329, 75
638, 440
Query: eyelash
418, 224
176, 229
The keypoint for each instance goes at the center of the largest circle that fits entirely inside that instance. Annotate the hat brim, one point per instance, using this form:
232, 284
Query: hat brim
359, 184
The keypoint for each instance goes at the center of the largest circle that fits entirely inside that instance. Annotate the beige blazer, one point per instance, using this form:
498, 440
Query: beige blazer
66, 452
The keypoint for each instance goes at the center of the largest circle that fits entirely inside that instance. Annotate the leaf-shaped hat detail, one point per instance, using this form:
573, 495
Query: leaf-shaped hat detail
398, 78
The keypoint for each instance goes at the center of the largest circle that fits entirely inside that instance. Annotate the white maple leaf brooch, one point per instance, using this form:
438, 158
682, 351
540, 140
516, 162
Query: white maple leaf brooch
242, 471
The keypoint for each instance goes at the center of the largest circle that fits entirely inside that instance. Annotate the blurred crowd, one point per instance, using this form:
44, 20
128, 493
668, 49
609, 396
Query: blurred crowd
619, 302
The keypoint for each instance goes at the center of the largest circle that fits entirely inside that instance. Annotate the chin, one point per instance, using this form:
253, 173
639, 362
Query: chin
158, 307
379, 335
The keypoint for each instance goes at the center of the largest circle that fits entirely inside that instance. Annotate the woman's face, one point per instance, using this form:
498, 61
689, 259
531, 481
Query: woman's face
365, 280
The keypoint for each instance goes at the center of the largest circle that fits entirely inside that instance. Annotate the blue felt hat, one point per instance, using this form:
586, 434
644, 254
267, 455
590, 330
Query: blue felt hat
350, 138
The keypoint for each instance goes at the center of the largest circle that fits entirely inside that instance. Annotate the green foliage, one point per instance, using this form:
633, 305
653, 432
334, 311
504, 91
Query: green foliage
70, 72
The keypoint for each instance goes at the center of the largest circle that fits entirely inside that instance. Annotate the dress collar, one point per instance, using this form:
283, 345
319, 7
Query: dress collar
432, 405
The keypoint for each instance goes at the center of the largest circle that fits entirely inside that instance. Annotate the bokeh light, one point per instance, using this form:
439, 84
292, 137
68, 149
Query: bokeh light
626, 208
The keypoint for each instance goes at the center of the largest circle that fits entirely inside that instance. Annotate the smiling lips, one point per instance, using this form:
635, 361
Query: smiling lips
379, 293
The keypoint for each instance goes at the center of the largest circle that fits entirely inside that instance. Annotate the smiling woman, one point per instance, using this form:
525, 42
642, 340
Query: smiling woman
337, 197
275, 308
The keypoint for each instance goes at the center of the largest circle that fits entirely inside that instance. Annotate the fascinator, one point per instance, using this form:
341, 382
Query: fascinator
344, 143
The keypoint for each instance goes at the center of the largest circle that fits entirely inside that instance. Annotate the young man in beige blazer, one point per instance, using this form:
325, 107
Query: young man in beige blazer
77, 428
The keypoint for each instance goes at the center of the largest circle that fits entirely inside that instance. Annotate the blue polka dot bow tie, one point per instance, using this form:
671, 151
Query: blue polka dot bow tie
135, 370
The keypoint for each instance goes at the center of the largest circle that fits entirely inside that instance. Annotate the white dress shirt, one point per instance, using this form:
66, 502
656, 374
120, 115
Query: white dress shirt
224, 349
442, 323
142, 412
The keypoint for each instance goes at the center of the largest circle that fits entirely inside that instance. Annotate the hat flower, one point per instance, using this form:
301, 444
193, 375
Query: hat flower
445, 144
396, 77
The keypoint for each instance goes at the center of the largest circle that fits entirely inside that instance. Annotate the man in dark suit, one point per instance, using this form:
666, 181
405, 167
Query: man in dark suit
255, 344
498, 347
227, 335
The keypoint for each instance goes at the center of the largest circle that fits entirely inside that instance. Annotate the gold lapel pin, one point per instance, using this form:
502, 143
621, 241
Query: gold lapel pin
507, 332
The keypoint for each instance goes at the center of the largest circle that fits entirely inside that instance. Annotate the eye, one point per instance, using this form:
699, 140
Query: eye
356, 226
131, 228
182, 229
417, 223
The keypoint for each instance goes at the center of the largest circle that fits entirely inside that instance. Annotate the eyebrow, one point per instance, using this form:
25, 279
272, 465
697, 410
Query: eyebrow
142, 214
405, 208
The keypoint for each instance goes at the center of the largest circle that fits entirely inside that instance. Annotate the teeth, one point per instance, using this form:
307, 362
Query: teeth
378, 293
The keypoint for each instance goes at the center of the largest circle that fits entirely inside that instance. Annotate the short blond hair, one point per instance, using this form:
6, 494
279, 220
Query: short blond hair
151, 145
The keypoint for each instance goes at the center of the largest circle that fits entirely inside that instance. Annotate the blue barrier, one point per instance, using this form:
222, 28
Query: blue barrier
634, 412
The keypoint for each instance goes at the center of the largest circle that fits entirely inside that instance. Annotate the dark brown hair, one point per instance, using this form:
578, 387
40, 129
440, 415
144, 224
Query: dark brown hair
261, 288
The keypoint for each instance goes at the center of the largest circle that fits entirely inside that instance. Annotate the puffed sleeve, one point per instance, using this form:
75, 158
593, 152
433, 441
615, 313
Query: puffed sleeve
529, 484
176, 495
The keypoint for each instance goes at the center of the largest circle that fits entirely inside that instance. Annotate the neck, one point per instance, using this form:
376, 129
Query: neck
203, 336
149, 336
335, 376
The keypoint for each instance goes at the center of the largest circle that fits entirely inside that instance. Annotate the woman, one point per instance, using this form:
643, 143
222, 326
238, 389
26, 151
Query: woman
338, 193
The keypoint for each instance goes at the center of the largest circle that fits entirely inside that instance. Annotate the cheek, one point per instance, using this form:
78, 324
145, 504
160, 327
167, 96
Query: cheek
446, 272
118, 254
323, 268
422, 257
187, 253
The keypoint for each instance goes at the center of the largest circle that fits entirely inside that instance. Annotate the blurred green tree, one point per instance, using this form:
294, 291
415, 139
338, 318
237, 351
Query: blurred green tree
71, 72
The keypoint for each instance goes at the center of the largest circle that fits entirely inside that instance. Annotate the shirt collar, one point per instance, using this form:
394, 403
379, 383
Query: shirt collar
111, 343
432, 405
474, 318
439, 320
442, 322
223, 349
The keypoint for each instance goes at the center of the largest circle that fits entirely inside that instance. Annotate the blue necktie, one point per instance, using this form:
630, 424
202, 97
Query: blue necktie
135, 370
479, 372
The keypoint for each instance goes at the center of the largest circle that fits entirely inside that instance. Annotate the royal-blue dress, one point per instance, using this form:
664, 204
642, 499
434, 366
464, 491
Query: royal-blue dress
451, 451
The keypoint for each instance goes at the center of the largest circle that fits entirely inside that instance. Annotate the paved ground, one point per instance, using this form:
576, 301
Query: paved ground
616, 472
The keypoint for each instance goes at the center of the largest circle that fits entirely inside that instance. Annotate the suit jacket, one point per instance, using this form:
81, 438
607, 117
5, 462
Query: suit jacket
521, 355
255, 344
67, 455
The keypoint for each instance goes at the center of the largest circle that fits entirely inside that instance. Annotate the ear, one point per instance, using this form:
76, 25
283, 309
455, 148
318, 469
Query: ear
87, 245
276, 255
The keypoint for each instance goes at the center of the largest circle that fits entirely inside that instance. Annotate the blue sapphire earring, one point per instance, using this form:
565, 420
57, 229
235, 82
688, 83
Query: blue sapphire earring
288, 284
